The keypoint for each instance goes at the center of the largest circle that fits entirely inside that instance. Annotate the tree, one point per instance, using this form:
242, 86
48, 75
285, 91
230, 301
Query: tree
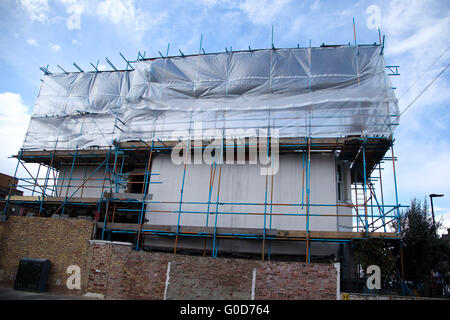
378, 252
424, 252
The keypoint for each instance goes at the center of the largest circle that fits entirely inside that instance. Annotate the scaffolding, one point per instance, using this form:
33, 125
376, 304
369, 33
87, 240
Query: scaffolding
349, 136
369, 211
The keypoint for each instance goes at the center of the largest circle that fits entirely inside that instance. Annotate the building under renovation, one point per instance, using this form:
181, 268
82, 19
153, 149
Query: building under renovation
270, 153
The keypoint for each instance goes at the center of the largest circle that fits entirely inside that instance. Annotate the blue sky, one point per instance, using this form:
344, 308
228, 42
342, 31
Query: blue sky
34, 33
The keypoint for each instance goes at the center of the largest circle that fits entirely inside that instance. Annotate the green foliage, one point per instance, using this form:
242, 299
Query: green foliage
376, 251
423, 250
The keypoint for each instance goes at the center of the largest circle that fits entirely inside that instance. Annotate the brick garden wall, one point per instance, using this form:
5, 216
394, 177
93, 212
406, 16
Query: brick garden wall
118, 272
63, 241
291, 281
115, 271
209, 278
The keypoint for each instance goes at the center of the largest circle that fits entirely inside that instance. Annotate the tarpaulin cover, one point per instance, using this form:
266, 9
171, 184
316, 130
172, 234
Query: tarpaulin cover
301, 92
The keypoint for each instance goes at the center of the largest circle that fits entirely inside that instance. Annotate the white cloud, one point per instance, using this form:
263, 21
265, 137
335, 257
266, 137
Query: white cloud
32, 42
417, 33
54, 47
36, 9
209, 3
262, 11
423, 36
444, 219
125, 13
315, 5
14, 120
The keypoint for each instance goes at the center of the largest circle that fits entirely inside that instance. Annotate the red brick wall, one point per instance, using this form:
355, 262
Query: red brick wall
139, 276
99, 259
118, 272
63, 241
194, 277
287, 281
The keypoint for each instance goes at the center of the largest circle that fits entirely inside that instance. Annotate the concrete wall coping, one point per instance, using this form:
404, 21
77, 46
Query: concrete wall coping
103, 242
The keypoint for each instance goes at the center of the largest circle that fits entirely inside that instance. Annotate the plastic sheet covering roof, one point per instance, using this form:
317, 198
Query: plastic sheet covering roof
301, 92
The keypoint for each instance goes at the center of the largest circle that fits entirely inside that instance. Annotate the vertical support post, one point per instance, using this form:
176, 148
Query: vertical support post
211, 187
365, 185
36, 180
63, 180
399, 229
144, 194
186, 153
119, 177
303, 177
70, 178
265, 206
105, 219
54, 189
45, 184
308, 194
271, 208
84, 178
114, 180
381, 189
200, 48
371, 206
107, 171
114, 212
214, 249
272, 38
356, 201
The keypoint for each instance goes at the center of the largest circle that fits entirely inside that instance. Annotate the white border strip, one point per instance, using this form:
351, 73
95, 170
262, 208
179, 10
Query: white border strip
253, 284
167, 280
337, 265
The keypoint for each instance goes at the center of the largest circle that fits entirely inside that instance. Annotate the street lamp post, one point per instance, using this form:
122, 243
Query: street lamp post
433, 195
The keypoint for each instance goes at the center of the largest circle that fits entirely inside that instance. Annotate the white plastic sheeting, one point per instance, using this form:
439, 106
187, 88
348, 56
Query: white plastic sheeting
317, 92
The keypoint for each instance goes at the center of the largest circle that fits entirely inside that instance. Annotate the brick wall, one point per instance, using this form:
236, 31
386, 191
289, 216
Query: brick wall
118, 272
208, 278
115, 271
63, 241
287, 281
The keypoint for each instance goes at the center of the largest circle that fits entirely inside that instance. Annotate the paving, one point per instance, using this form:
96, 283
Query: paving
11, 294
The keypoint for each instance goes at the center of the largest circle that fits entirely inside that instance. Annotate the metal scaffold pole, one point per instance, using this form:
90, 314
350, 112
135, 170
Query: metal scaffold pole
144, 194
308, 198
399, 230
186, 157
365, 186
